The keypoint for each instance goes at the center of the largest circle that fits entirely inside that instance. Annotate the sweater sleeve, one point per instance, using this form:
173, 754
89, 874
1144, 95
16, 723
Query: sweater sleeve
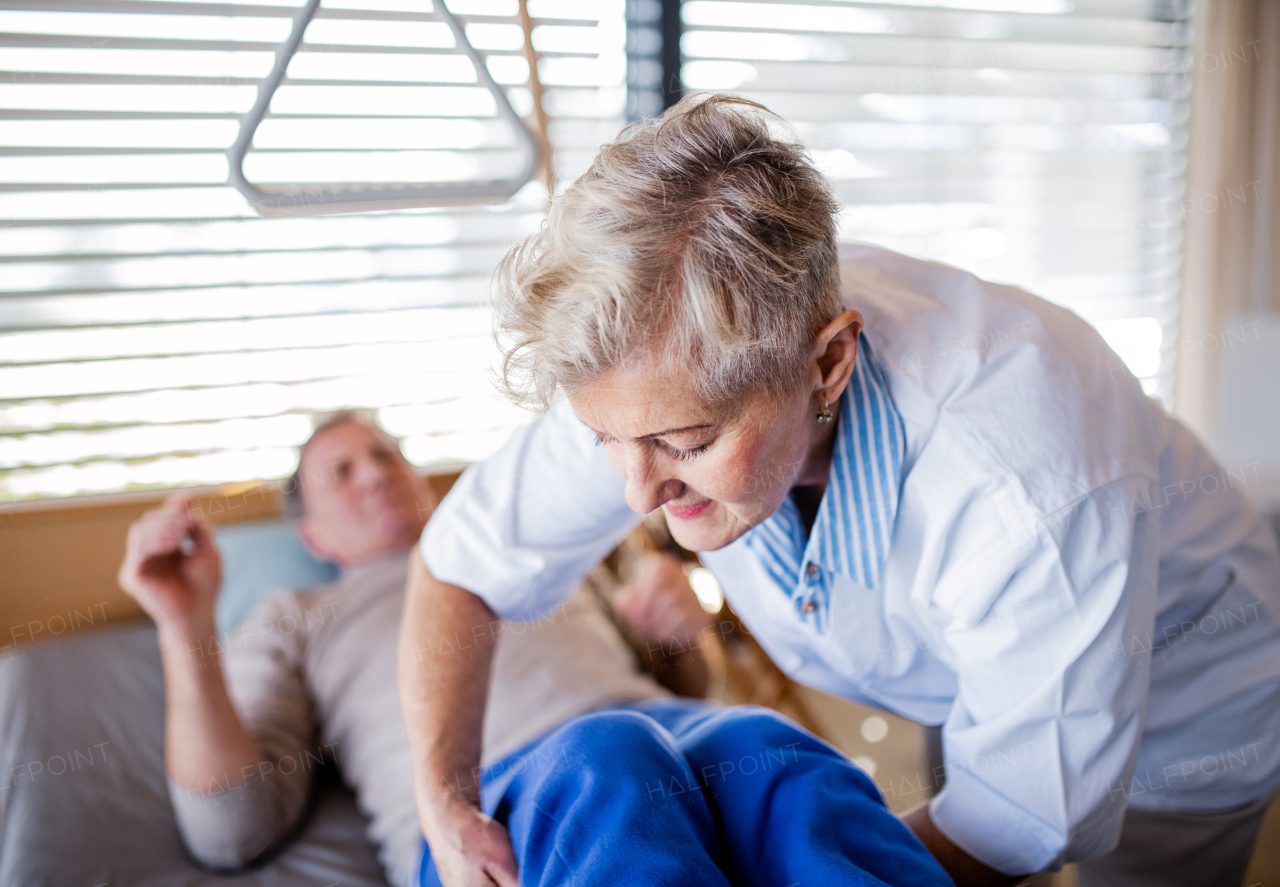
241, 816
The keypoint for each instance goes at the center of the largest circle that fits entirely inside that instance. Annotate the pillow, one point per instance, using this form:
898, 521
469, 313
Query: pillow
259, 558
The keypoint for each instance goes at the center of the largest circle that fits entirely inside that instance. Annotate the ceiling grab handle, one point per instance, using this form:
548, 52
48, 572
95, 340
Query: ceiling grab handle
311, 199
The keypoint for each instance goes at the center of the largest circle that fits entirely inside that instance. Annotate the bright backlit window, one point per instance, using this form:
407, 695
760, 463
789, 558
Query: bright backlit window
155, 332
1036, 142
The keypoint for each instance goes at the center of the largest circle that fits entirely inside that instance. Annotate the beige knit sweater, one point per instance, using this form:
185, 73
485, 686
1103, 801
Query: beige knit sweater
313, 675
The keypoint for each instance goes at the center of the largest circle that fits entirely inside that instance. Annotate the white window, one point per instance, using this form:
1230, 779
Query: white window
155, 332
1036, 142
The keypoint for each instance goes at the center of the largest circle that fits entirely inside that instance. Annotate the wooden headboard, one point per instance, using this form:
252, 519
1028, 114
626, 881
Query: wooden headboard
58, 558
58, 563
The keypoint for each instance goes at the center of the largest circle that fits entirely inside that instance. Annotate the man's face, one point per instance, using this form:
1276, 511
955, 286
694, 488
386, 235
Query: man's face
361, 498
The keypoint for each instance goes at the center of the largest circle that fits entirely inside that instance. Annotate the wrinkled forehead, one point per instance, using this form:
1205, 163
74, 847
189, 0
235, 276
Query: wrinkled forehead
341, 441
348, 435
646, 399
639, 388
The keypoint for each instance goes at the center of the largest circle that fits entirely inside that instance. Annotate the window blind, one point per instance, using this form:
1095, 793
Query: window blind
155, 332
1038, 142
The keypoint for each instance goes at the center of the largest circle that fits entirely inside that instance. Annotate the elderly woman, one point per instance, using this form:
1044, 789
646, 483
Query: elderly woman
920, 491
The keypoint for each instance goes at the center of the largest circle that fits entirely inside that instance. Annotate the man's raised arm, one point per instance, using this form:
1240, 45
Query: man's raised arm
443, 694
231, 803
173, 570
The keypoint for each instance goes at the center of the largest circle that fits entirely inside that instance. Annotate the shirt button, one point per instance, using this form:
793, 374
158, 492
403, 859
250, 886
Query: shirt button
809, 606
812, 569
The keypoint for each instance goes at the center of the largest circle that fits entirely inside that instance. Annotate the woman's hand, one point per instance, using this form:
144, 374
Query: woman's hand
659, 605
443, 699
172, 567
963, 868
470, 849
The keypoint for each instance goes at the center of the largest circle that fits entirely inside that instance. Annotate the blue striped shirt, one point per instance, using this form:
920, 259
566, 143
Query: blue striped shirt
855, 518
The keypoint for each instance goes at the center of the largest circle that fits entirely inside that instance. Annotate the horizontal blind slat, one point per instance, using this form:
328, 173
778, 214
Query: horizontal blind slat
1044, 149
1035, 140
154, 331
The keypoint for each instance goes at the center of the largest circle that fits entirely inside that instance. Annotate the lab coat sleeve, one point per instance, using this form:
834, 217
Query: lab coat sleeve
1041, 743
522, 528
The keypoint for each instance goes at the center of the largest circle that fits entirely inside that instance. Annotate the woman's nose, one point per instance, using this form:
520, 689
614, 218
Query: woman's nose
648, 487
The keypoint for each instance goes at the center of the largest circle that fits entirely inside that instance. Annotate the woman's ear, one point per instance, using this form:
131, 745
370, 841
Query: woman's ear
836, 348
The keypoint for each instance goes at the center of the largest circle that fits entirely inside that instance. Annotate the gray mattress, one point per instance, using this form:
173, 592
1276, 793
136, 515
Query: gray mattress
83, 787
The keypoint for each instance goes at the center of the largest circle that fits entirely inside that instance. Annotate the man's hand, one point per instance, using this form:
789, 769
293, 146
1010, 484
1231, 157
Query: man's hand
663, 621
470, 849
659, 605
172, 567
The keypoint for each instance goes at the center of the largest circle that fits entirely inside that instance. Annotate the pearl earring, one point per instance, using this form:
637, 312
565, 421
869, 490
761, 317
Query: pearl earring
824, 415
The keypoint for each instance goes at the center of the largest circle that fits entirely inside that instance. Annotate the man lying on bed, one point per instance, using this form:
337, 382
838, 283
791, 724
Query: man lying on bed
313, 676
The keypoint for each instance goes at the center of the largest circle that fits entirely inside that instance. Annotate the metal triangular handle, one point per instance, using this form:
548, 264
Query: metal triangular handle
317, 200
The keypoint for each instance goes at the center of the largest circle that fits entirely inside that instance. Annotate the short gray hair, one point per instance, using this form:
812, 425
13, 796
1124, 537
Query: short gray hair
699, 239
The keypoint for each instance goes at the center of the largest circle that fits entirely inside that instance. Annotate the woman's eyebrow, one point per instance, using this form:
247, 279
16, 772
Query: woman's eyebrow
674, 431
654, 434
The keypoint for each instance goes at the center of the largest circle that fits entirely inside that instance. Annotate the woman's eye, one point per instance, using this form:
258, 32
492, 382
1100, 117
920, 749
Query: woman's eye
686, 455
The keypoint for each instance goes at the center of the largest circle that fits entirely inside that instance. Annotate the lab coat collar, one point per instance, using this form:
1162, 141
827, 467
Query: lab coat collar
852, 529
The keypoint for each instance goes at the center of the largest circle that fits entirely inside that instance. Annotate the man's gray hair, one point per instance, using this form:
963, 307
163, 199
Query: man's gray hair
699, 240
293, 503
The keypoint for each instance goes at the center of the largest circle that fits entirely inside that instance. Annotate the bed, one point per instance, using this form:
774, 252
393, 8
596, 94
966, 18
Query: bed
83, 796
82, 784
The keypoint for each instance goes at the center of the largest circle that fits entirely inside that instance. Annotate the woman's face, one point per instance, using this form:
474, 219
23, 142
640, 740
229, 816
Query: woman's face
716, 472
